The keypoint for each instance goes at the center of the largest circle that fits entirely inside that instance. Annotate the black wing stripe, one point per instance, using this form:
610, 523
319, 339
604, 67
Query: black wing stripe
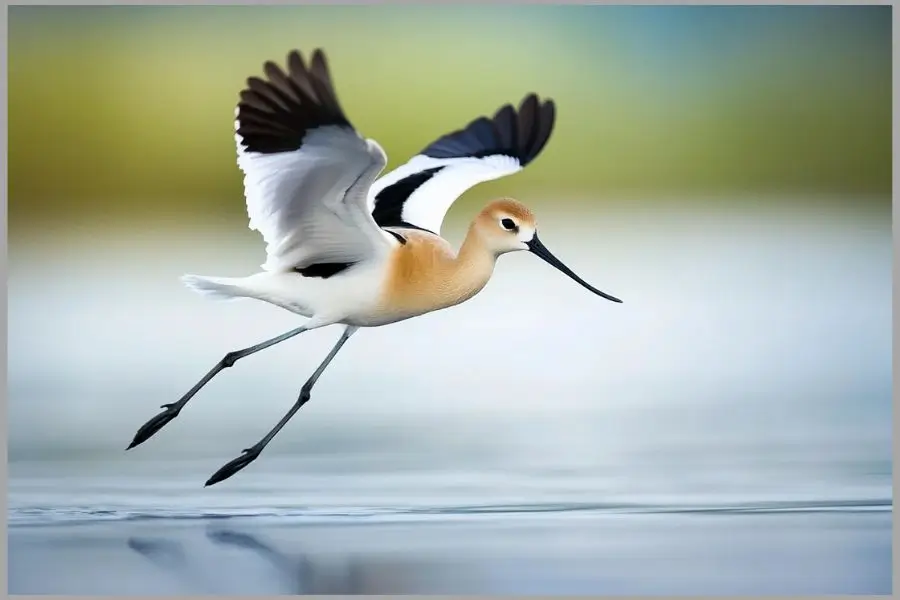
276, 113
518, 134
323, 270
389, 202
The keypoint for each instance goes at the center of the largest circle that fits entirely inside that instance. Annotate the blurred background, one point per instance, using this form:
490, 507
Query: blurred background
726, 171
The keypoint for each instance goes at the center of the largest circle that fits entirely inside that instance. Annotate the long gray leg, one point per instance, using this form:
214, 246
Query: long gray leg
252, 453
171, 410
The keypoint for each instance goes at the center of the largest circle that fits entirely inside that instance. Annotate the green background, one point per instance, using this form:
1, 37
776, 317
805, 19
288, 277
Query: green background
118, 111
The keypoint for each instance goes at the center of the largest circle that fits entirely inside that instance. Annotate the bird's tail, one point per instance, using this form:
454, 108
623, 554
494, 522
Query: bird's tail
217, 288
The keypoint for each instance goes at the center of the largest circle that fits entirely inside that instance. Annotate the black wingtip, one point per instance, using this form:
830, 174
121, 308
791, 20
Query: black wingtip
318, 61
544, 123
518, 133
275, 113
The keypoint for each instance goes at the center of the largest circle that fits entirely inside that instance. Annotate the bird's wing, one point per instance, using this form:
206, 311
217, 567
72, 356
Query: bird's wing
307, 171
420, 192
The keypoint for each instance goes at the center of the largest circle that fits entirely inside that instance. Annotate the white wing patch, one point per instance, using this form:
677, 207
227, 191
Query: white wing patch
420, 192
427, 206
309, 204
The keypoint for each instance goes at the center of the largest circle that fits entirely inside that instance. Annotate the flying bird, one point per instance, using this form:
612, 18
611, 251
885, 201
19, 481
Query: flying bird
347, 247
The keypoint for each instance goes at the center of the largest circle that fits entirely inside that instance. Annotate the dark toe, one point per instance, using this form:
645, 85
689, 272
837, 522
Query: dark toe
229, 469
149, 428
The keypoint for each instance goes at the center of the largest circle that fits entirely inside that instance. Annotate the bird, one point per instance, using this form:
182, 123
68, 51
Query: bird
348, 246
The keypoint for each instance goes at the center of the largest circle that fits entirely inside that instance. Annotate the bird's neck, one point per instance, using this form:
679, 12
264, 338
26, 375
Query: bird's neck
473, 266
427, 275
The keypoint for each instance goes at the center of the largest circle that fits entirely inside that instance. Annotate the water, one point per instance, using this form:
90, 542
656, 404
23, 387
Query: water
725, 430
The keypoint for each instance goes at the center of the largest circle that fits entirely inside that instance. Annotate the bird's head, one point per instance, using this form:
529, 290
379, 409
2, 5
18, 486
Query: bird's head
507, 225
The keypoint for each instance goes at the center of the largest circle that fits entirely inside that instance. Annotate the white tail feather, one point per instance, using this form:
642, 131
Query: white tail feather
217, 288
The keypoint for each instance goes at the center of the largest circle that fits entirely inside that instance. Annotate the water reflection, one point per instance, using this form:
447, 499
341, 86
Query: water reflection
297, 572
805, 552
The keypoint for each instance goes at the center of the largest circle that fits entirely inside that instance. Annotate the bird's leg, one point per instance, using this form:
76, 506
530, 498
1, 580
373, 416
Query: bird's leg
171, 410
250, 454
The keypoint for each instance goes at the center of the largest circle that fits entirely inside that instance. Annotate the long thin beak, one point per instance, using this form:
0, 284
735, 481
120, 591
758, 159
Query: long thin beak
537, 248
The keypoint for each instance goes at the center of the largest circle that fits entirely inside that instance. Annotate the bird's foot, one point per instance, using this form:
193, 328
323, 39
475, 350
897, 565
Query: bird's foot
155, 424
248, 455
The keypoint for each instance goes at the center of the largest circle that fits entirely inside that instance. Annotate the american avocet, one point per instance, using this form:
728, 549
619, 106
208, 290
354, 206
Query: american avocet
343, 248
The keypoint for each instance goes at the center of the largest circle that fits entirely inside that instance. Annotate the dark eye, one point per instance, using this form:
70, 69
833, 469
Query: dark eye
508, 224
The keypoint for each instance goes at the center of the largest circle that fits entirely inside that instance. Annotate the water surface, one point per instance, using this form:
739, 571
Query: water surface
725, 430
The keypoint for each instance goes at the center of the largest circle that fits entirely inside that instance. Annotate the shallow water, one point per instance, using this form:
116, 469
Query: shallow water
550, 553
725, 430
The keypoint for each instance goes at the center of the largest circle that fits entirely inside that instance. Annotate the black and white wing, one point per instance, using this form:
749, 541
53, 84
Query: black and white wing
307, 171
420, 192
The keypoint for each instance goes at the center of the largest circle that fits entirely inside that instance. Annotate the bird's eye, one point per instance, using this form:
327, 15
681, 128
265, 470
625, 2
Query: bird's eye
508, 224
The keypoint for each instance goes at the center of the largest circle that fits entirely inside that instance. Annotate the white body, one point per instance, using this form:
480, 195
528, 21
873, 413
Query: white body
352, 297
